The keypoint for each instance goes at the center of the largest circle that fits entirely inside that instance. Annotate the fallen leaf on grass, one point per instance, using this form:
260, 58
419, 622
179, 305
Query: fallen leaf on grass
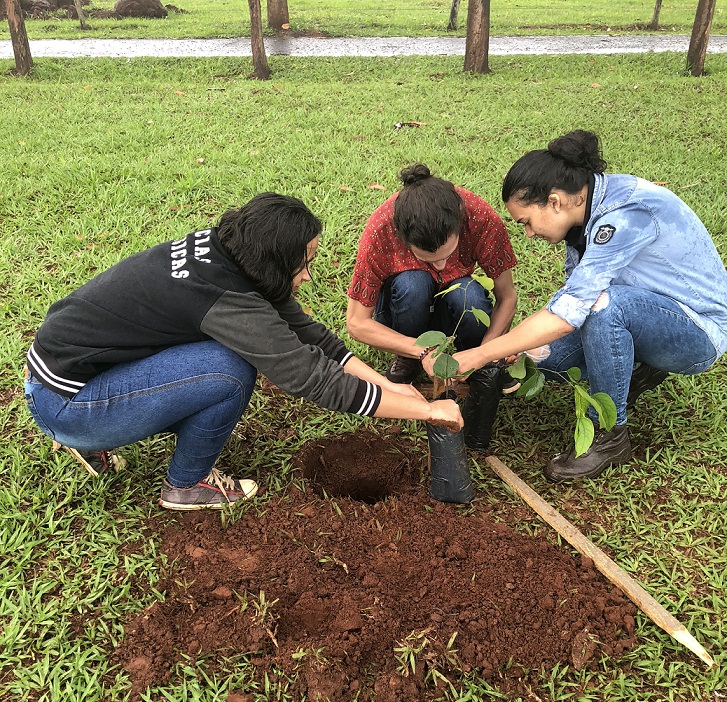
595, 85
660, 182
376, 186
345, 188
179, 92
200, 160
399, 125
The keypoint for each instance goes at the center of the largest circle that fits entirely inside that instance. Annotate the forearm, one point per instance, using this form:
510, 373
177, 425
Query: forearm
500, 319
396, 406
381, 337
355, 366
541, 328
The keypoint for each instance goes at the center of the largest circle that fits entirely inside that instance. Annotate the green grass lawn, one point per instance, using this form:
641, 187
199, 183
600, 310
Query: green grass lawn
230, 18
103, 158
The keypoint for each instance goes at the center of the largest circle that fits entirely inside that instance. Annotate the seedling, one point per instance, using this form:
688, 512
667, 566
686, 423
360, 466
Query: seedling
446, 369
533, 381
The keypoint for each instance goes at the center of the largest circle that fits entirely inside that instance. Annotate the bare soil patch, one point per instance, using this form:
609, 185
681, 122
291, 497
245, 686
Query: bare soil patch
360, 584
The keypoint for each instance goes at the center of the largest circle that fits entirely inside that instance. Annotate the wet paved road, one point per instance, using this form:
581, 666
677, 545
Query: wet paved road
362, 46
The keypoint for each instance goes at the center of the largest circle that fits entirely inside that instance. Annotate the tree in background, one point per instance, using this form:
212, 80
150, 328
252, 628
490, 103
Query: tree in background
81, 14
655, 19
477, 44
454, 11
261, 71
700, 37
19, 38
278, 14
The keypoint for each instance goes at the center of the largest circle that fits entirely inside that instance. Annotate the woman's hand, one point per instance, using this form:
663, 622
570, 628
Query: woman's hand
428, 363
446, 413
471, 359
401, 389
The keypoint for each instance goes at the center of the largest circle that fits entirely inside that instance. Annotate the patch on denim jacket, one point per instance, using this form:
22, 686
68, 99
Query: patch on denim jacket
604, 234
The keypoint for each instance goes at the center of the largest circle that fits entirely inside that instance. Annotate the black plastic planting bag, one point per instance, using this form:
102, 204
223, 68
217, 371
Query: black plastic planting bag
480, 407
451, 480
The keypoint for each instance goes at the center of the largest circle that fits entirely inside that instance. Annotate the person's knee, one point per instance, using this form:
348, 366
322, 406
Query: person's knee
223, 361
412, 284
609, 306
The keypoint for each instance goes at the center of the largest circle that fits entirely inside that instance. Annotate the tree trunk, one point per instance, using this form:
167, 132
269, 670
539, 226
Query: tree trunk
655, 19
277, 14
700, 37
477, 44
81, 14
19, 38
259, 58
453, 13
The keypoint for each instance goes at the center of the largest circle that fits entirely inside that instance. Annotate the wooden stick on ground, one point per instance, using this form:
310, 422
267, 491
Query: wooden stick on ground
619, 577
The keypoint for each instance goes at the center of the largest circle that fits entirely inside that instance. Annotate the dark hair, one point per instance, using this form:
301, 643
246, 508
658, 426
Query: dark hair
428, 210
268, 240
566, 164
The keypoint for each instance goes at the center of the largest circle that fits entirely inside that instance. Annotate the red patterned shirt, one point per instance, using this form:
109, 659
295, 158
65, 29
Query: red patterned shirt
381, 253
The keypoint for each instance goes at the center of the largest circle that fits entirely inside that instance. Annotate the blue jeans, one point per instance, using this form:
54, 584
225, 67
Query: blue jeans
407, 305
196, 391
635, 325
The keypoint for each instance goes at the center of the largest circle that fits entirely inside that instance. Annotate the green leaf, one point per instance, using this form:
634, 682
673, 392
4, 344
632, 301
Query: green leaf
530, 364
445, 366
574, 374
485, 281
532, 386
518, 369
583, 399
481, 316
449, 289
584, 434
606, 409
431, 338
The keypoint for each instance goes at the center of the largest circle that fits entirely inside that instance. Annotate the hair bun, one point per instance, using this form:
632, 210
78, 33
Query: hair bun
413, 174
579, 148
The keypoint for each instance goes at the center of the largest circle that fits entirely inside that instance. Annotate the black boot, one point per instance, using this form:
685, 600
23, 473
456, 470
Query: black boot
404, 370
608, 448
644, 378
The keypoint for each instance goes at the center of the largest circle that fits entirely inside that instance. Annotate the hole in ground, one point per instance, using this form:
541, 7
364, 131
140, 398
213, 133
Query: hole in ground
363, 467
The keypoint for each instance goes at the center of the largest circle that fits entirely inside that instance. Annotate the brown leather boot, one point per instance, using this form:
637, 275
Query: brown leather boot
608, 448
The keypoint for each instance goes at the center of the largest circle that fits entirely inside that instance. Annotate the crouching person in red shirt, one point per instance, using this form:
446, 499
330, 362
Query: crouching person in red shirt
422, 240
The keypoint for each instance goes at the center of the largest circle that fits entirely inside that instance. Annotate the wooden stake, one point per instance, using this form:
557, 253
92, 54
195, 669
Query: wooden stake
619, 577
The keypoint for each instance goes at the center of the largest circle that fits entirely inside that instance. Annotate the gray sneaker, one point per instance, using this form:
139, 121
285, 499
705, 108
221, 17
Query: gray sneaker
214, 492
97, 462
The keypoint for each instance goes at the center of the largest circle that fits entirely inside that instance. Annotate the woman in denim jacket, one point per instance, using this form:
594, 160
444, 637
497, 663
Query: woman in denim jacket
645, 293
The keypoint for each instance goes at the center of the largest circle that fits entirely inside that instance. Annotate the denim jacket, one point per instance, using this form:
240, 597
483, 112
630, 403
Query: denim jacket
643, 235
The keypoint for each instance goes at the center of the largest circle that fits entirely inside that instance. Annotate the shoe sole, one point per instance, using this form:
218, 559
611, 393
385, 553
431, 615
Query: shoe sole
117, 463
618, 460
179, 507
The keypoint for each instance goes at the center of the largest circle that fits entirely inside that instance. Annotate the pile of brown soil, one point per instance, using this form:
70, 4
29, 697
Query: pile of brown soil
363, 585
